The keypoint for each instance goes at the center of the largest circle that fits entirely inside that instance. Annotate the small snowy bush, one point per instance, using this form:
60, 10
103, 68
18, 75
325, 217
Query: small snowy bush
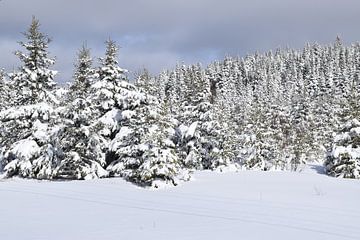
344, 158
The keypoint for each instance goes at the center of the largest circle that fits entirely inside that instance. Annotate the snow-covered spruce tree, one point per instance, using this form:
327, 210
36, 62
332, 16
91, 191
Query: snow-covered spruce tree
28, 123
200, 130
225, 95
80, 145
344, 158
202, 137
84, 75
109, 94
4, 92
301, 130
259, 141
111, 82
148, 83
143, 151
28, 140
81, 156
128, 144
124, 119
3, 105
159, 161
34, 82
261, 127
228, 135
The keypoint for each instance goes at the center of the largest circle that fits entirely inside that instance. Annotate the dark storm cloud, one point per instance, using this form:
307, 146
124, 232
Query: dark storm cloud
159, 33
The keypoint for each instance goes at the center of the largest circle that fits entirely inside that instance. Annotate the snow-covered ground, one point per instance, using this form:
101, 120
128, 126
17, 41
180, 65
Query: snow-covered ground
243, 205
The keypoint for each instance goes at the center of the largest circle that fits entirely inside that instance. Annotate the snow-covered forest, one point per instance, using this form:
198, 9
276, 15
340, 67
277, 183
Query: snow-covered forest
273, 111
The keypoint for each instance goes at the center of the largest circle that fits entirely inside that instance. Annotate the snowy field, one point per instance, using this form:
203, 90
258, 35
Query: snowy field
243, 205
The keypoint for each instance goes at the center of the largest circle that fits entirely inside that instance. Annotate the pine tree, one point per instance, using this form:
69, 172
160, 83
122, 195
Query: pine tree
29, 122
200, 145
84, 75
126, 118
111, 84
343, 160
147, 83
81, 154
80, 144
34, 82
160, 161
260, 146
4, 91
228, 137
28, 137
128, 144
3, 105
110, 94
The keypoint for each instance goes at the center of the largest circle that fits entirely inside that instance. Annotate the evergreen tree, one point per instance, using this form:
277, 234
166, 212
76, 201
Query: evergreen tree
80, 144
344, 160
3, 105
27, 141
160, 161
29, 123
110, 93
34, 82
228, 137
84, 75
276, 110
4, 91
147, 83
110, 87
81, 154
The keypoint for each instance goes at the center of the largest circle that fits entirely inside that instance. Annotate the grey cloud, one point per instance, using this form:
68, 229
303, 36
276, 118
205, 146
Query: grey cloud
159, 33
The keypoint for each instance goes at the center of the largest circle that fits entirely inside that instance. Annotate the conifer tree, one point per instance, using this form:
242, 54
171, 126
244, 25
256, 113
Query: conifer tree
343, 160
147, 83
34, 82
160, 161
3, 106
4, 91
84, 74
28, 123
81, 157
108, 90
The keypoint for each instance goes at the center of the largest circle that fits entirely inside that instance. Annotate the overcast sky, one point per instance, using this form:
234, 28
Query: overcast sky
157, 34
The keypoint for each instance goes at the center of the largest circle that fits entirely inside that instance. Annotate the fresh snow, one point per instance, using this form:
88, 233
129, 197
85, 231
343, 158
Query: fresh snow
191, 130
25, 149
353, 152
32, 111
239, 205
41, 131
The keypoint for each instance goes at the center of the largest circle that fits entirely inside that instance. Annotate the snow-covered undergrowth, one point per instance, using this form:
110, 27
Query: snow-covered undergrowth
344, 159
244, 205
